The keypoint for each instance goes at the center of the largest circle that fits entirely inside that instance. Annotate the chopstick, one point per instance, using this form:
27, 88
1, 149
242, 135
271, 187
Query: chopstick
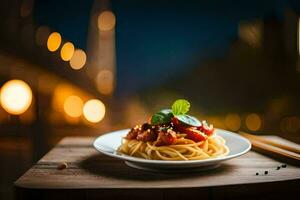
274, 149
270, 142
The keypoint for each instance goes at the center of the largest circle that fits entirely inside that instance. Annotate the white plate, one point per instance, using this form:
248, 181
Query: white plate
109, 143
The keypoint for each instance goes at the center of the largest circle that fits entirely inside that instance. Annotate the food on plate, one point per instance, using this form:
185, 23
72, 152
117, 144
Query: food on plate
171, 134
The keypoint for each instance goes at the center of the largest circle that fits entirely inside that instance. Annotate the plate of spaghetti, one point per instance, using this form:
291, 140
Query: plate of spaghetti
171, 139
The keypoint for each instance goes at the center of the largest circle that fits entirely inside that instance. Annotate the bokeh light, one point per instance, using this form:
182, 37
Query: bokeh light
78, 59
233, 121
41, 35
54, 41
106, 21
105, 82
290, 124
15, 97
94, 110
73, 106
67, 51
61, 92
253, 122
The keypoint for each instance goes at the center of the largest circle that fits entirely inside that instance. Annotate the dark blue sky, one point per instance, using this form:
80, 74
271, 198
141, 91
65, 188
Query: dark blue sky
158, 37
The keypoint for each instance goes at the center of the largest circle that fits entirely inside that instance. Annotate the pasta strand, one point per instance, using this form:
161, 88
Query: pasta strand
182, 149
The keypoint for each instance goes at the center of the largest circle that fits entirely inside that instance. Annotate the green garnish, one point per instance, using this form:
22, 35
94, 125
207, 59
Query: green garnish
189, 120
180, 107
162, 117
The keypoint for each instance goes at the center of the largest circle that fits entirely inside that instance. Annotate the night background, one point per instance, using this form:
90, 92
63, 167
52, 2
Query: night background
90, 67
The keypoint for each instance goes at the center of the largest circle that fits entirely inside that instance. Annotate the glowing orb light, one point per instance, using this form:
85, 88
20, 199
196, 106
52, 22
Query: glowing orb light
106, 21
78, 59
73, 106
15, 97
94, 110
54, 41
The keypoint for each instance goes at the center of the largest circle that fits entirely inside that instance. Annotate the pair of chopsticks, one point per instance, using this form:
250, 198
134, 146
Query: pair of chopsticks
274, 149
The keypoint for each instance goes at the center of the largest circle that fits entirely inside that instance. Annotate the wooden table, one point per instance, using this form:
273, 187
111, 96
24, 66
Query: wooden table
91, 175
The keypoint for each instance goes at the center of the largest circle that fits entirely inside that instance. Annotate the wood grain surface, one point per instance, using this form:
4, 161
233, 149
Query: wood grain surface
88, 170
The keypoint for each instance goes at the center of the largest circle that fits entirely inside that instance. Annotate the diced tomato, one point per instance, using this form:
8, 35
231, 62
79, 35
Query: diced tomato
193, 134
176, 122
204, 128
146, 136
131, 135
208, 130
166, 138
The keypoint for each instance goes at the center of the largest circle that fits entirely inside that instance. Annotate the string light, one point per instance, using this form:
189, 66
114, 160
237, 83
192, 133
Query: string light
67, 51
106, 21
73, 106
233, 121
78, 59
94, 110
15, 97
253, 122
54, 41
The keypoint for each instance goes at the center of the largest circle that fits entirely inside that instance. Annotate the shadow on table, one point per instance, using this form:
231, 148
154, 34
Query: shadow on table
110, 167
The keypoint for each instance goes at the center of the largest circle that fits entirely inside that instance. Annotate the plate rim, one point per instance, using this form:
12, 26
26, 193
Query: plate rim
167, 162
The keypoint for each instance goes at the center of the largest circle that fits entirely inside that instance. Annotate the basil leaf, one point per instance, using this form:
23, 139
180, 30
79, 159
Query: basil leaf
162, 117
180, 107
189, 120
166, 112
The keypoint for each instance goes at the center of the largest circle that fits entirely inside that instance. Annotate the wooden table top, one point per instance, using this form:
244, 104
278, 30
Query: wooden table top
88, 169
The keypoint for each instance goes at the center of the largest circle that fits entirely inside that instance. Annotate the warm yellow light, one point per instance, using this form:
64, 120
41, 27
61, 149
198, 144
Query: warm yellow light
106, 21
54, 41
233, 121
78, 59
73, 106
61, 92
15, 97
67, 51
41, 35
94, 110
253, 122
105, 82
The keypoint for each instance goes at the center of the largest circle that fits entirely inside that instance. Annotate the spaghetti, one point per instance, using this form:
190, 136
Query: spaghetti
182, 149
171, 134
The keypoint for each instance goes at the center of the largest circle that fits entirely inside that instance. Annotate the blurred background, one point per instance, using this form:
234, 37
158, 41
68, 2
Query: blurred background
83, 68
